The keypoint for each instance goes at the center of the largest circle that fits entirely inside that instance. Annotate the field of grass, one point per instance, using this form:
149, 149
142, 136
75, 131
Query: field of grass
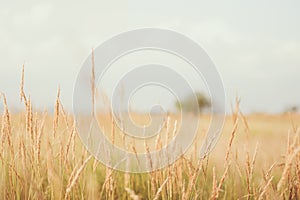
42, 157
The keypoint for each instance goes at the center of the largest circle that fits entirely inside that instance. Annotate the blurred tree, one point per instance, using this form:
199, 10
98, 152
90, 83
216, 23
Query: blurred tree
190, 105
292, 109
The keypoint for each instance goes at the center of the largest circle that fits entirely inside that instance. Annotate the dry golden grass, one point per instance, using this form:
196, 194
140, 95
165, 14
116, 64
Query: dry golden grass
41, 157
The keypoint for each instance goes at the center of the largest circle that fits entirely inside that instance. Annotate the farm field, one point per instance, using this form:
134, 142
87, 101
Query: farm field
149, 100
42, 157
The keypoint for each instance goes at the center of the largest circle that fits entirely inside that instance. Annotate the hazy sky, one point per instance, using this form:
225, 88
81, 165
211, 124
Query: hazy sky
255, 45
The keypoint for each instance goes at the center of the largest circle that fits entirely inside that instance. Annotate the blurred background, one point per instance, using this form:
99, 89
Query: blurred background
255, 45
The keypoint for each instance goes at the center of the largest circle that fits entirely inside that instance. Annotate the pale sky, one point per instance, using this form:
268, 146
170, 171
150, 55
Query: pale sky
255, 45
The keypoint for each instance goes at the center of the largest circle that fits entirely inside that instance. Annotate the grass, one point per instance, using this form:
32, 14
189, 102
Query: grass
41, 157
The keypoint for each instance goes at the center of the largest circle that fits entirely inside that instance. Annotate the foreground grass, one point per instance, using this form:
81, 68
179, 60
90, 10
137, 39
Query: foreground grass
41, 157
